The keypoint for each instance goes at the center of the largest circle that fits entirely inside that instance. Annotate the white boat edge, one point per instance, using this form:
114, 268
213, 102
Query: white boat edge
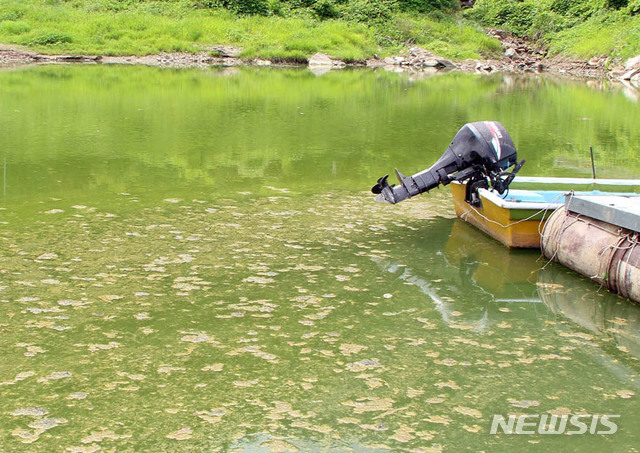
497, 200
578, 181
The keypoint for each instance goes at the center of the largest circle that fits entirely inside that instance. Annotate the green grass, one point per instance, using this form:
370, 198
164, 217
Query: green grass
574, 28
617, 36
110, 27
139, 27
449, 38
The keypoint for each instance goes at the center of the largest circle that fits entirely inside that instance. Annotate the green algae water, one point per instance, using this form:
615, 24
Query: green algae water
191, 261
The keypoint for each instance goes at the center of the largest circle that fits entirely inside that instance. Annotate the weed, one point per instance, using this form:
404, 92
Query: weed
50, 38
295, 29
15, 28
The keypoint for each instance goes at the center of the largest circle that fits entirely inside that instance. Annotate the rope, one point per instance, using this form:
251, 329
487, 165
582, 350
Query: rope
631, 238
563, 228
542, 211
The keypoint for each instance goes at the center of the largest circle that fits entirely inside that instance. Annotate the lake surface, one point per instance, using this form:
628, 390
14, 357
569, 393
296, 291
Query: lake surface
191, 261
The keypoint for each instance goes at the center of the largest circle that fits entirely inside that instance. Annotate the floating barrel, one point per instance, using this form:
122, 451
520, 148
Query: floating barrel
606, 253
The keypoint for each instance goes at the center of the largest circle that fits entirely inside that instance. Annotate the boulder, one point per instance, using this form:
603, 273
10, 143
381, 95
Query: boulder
232, 62
629, 75
511, 53
374, 63
486, 68
446, 63
633, 63
320, 59
226, 51
394, 60
596, 61
420, 52
431, 63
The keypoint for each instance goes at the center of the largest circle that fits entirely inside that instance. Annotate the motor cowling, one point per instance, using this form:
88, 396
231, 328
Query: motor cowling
481, 150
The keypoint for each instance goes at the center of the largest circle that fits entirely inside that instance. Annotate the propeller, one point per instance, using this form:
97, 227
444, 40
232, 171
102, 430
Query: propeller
381, 184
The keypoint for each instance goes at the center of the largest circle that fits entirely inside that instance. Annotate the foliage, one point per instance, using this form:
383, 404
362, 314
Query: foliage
295, 29
576, 27
50, 38
530, 17
260, 7
290, 30
426, 6
367, 11
359, 10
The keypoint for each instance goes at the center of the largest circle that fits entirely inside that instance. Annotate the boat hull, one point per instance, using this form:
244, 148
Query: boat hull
516, 218
514, 228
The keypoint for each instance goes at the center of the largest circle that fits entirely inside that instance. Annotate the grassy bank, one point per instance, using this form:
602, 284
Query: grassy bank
147, 27
296, 29
579, 28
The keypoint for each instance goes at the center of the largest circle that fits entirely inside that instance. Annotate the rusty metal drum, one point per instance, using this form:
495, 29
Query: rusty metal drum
605, 253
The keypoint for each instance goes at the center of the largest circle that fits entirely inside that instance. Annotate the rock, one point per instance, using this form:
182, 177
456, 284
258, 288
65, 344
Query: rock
420, 52
633, 63
394, 60
260, 62
511, 53
630, 74
431, 63
595, 61
226, 51
446, 63
374, 63
320, 59
76, 58
232, 62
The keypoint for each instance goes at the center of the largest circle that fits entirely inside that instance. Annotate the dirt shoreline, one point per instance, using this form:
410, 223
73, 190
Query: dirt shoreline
519, 57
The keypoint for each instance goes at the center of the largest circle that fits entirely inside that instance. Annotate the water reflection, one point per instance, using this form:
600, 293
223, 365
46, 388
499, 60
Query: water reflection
596, 310
475, 268
499, 280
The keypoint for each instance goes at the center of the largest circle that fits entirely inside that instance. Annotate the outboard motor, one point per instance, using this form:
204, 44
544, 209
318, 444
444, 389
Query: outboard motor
481, 152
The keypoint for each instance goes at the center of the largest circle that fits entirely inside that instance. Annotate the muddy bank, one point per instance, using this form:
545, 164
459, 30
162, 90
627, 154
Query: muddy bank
519, 56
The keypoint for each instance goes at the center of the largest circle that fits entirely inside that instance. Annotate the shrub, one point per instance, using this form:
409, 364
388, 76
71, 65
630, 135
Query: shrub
617, 4
369, 11
529, 17
426, 6
50, 38
249, 7
207, 4
326, 9
15, 28
11, 14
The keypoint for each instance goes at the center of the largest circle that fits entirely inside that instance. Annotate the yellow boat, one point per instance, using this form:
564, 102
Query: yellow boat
516, 218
